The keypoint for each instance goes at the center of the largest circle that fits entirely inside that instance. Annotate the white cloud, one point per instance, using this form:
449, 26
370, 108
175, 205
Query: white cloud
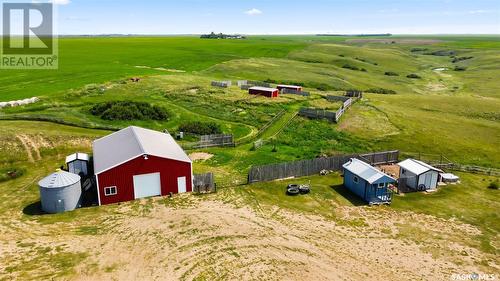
253, 12
61, 2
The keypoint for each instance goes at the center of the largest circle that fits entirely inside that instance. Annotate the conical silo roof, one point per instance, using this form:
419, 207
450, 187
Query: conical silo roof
59, 179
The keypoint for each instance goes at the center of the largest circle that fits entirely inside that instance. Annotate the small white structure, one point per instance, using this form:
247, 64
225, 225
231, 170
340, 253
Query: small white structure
60, 192
449, 178
418, 175
78, 163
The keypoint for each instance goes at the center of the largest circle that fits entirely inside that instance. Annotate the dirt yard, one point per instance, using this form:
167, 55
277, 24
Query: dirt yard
200, 156
391, 170
203, 238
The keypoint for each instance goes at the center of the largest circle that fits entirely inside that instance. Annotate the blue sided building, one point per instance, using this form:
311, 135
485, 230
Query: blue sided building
367, 182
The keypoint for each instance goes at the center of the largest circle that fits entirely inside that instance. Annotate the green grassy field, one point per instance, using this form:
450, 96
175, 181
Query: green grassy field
453, 113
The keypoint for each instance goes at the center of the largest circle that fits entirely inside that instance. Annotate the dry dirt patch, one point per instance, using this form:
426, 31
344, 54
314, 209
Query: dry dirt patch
200, 156
191, 237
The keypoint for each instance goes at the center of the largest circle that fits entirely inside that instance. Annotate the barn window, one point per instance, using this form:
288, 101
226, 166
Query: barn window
381, 185
355, 179
403, 171
108, 191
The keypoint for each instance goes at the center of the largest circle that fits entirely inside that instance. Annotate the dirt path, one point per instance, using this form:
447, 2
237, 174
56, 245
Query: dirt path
27, 148
199, 238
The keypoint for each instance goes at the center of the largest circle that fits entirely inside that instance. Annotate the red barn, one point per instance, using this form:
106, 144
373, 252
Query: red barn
289, 87
135, 163
263, 91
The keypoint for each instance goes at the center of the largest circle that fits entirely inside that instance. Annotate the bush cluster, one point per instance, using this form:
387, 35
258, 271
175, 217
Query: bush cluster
390, 73
200, 128
457, 59
9, 174
441, 53
460, 68
381, 91
129, 110
493, 185
414, 50
351, 67
413, 76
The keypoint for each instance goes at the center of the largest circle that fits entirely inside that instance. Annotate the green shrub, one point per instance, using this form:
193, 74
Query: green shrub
128, 110
413, 76
351, 67
390, 73
457, 59
381, 91
441, 53
493, 185
200, 128
414, 50
460, 68
10, 174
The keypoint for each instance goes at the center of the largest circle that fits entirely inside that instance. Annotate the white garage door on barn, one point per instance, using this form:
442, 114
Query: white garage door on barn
147, 185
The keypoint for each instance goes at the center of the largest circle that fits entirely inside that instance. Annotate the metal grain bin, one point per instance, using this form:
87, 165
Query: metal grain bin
60, 192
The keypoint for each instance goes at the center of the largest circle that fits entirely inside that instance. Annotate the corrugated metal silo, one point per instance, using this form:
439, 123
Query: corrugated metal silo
60, 192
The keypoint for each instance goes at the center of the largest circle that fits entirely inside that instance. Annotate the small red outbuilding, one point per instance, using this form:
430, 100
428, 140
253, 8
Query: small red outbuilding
136, 163
289, 87
263, 91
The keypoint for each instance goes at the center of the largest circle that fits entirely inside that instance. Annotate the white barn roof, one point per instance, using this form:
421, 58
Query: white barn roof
364, 170
77, 156
289, 86
265, 89
132, 142
59, 179
417, 167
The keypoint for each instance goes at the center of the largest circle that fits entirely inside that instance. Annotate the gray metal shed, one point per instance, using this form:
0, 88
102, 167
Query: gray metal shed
60, 192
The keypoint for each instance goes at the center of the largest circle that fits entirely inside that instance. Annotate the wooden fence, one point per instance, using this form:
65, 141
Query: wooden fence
312, 167
215, 140
380, 158
221, 84
336, 98
258, 83
295, 92
315, 113
204, 183
329, 115
354, 94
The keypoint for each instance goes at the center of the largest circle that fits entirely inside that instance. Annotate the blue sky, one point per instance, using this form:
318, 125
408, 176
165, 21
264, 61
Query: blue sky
278, 16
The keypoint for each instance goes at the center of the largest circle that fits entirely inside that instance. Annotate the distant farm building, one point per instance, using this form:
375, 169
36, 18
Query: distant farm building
135, 163
78, 164
417, 175
367, 182
289, 87
60, 192
264, 91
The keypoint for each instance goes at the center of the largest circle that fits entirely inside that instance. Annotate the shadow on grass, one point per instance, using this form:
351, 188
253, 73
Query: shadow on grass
348, 195
34, 209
